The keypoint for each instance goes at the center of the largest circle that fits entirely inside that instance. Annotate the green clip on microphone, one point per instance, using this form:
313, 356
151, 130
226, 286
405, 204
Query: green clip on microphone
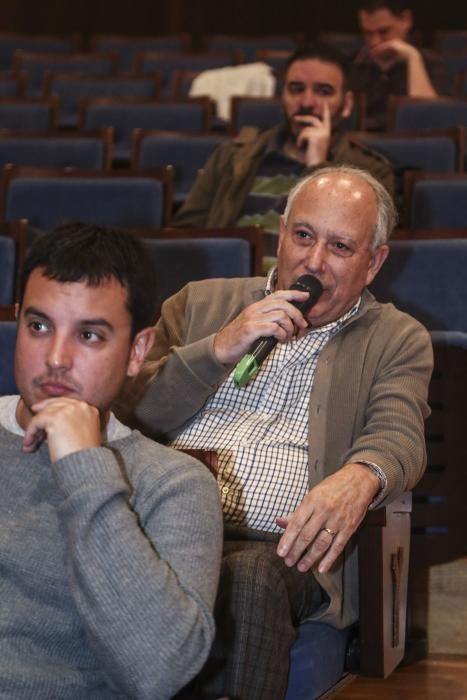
251, 361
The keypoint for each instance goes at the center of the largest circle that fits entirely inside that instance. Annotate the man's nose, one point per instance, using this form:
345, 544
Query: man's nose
309, 100
59, 353
316, 258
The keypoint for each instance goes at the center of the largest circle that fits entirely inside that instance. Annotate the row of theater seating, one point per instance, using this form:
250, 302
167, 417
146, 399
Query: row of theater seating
127, 45
128, 103
38, 74
146, 193
179, 256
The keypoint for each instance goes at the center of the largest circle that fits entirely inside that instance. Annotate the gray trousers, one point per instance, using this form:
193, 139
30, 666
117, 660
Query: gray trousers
259, 604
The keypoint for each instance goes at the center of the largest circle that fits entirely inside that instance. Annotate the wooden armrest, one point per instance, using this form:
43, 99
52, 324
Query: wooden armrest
383, 554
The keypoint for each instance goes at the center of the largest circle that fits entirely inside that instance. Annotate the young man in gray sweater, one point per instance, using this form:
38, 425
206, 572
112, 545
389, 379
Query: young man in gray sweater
109, 543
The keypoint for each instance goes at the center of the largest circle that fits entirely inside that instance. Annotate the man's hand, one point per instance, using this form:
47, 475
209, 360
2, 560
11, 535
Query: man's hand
418, 81
67, 424
315, 138
338, 503
273, 316
393, 50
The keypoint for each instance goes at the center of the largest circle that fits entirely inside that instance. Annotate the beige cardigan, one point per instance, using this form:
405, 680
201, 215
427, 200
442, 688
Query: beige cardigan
369, 397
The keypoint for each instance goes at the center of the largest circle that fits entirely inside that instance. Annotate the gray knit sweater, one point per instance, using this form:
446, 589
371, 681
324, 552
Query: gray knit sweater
109, 562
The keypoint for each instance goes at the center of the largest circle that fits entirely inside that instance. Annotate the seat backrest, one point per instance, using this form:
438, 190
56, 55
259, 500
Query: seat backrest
38, 65
120, 198
261, 112
450, 39
33, 114
253, 235
167, 62
71, 89
435, 200
124, 115
56, 149
437, 149
182, 81
11, 42
426, 113
427, 280
248, 45
347, 42
187, 153
12, 84
7, 354
276, 58
179, 260
455, 63
127, 47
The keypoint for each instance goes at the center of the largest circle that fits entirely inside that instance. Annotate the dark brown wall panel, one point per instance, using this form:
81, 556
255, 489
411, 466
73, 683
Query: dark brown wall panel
208, 16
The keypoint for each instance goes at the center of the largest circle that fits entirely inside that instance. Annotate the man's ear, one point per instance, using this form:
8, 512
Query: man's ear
377, 259
141, 345
406, 17
348, 104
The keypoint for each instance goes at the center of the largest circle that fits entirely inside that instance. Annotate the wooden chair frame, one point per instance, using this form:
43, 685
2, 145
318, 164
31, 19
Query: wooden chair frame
7, 312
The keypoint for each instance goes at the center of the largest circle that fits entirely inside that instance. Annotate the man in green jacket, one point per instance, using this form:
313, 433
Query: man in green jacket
331, 425
246, 180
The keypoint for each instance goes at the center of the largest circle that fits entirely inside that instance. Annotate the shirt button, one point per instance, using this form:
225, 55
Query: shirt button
225, 490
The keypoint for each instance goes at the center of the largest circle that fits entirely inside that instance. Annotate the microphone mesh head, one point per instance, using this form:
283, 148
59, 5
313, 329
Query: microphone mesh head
311, 284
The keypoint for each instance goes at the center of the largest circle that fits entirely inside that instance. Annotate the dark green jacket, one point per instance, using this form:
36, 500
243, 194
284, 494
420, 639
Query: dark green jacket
218, 196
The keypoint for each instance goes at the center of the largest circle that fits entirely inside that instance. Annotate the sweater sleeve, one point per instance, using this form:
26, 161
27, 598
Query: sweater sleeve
393, 435
143, 563
180, 376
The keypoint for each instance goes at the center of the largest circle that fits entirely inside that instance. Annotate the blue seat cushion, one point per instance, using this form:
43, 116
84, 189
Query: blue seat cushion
316, 660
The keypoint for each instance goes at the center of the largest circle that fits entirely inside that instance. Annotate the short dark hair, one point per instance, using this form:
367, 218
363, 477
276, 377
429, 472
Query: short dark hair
78, 252
326, 53
396, 7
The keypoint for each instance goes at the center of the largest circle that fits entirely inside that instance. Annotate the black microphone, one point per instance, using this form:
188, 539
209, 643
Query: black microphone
252, 360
